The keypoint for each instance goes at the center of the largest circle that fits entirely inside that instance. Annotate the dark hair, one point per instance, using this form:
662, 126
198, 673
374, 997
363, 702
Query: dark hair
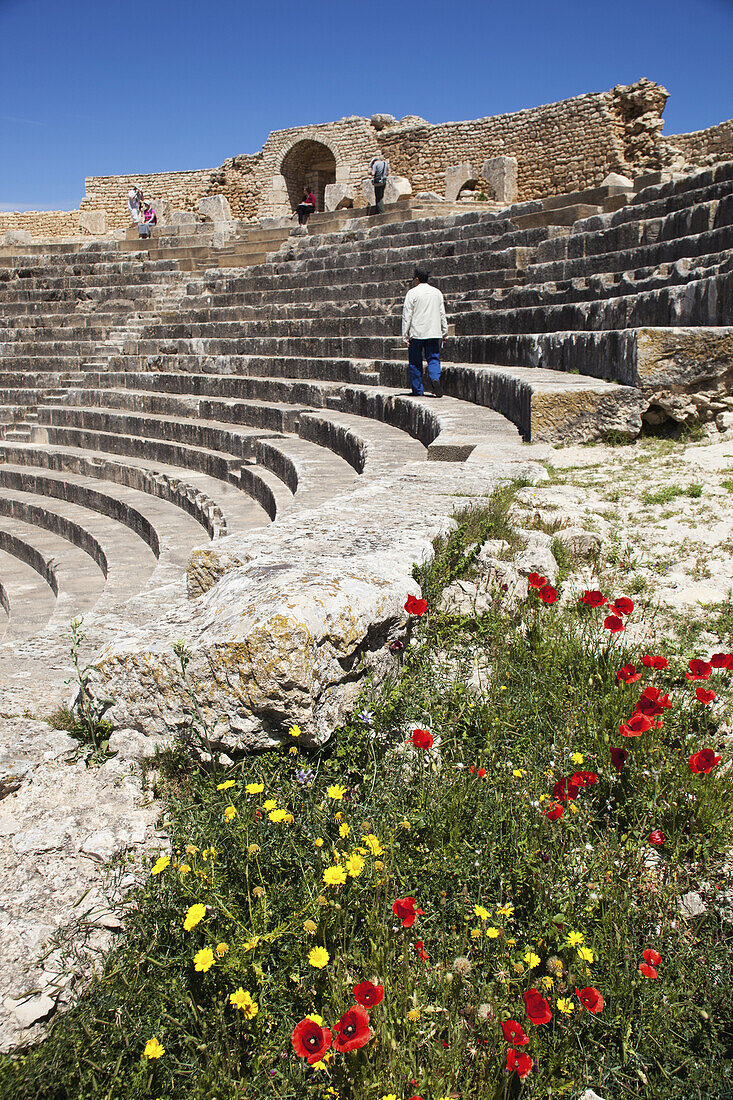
422, 274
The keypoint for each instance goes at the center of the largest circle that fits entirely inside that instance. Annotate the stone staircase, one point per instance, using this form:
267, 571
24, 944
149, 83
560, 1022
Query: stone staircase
199, 387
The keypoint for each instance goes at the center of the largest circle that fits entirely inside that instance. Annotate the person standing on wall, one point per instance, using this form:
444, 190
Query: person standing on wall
424, 327
379, 170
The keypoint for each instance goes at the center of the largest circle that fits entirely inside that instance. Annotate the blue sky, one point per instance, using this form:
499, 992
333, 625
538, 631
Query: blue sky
87, 87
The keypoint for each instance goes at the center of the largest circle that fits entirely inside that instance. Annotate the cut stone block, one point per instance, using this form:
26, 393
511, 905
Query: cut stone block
615, 179
17, 236
216, 208
501, 174
338, 196
93, 221
455, 178
397, 188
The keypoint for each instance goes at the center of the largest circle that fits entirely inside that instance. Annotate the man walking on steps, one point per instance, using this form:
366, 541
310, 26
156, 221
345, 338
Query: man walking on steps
424, 327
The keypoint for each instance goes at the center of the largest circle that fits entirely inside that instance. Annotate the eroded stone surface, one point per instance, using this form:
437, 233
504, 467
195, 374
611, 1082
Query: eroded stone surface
57, 826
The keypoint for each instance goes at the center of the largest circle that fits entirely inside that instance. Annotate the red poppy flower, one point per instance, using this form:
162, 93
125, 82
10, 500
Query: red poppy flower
622, 606
650, 661
652, 702
591, 999
647, 971
421, 739
404, 908
613, 623
536, 1007
514, 1033
368, 994
415, 607
721, 660
704, 761
618, 758
704, 696
352, 1030
420, 949
636, 725
651, 956
593, 598
553, 812
548, 594
699, 670
628, 675
482, 773
657, 838
565, 790
583, 779
534, 580
310, 1040
520, 1061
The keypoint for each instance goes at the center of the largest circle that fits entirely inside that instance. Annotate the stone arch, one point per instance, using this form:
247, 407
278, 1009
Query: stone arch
469, 187
308, 163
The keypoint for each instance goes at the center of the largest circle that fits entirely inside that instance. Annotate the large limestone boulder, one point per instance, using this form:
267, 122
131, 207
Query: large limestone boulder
93, 222
381, 121
338, 196
500, 174
215, 208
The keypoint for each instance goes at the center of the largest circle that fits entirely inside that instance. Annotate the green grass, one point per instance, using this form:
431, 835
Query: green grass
671, 492
454, 840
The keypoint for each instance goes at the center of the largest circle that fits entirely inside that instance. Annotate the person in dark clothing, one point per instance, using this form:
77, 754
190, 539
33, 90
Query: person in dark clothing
306, 206
379, 170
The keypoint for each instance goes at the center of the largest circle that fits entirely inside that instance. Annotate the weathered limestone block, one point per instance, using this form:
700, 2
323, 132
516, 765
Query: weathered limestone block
381, 122
183, 217
338, 196
501, 174
17, 236
163, 210
397, 188
455, 177
679, 359
216, 208
93, 221
615, 179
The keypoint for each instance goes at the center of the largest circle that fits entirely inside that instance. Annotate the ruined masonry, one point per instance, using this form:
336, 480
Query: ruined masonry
206, 436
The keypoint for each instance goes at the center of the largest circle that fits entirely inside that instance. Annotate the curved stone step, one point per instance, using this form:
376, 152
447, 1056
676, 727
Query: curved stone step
27, 597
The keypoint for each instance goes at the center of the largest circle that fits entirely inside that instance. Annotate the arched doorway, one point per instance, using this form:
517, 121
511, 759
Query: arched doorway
308, 164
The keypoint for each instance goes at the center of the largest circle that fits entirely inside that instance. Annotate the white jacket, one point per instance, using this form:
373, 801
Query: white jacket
423, 314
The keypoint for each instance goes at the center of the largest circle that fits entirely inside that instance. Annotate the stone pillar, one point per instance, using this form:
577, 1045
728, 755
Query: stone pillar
501, 174
338, 196
455, 177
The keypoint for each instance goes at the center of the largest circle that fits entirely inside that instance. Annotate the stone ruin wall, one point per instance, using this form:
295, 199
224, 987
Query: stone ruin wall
183, 190
42, 223
559, 147
714, 143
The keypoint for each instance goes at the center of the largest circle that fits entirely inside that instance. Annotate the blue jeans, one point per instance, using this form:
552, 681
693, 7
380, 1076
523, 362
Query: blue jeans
431, 350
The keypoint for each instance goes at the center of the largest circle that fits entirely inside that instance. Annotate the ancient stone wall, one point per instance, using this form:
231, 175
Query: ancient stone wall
351, 142
699, 145
183, 190
560, 147
43, 223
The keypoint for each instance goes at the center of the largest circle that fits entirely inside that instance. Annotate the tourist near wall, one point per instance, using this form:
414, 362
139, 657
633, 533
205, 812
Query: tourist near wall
559, 147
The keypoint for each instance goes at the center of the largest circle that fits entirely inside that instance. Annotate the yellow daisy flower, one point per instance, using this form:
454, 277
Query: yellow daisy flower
160, 865
255, 788
566, 1006
318, 957
153, 1049
194, 916
203, 960
481, 913
336, 792
225, 786
270, 804
334, 876
492, 932
230, 813
243, 1001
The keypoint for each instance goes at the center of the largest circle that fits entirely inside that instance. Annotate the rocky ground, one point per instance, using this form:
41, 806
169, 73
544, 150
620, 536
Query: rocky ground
654, 519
